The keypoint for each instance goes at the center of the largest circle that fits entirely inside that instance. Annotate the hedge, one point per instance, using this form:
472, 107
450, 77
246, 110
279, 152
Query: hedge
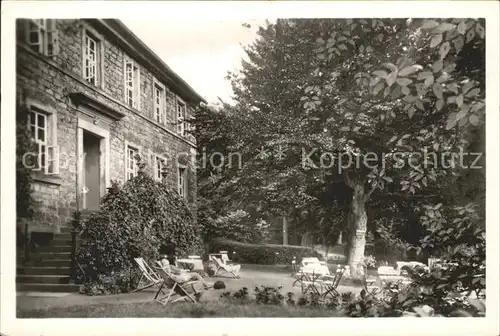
264, 254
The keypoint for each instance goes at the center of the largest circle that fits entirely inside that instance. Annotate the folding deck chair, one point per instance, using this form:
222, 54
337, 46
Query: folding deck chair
176, 288
149, 277
232, 270
308, 282
329, 283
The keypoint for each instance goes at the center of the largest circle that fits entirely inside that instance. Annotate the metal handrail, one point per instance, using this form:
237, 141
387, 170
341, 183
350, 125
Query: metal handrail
81, 269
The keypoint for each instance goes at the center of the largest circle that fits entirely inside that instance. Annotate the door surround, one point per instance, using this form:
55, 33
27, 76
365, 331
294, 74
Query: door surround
103, 133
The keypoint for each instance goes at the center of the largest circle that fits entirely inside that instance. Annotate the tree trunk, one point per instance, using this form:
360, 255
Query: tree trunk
327, 247
305, 239
285, 231
356, 240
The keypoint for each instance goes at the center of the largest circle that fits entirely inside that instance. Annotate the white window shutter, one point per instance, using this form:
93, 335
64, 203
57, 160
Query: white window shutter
164, 106
34, 35
52, 42
125, 80
52, 160
40, 158
180, 127
137, 88
37, 166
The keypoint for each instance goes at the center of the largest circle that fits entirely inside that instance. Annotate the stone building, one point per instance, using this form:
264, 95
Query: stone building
97, 96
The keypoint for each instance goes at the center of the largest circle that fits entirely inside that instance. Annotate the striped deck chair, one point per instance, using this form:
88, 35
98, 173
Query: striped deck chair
149, 277
190, 290
231, 270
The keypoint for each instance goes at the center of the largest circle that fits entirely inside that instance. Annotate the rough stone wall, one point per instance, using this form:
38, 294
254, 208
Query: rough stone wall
49, 80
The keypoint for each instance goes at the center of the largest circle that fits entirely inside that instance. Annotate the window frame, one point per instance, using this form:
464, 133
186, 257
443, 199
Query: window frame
47, 150
135, 81
47, 36
162, 103
90, 33
181, 120
135, 170
157, 174
182, 185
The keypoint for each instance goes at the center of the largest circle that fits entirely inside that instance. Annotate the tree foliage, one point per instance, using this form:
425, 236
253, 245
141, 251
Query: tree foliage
335, 114
236, 225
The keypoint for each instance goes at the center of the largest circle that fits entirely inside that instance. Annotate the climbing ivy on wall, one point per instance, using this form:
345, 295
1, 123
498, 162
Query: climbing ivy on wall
25, 202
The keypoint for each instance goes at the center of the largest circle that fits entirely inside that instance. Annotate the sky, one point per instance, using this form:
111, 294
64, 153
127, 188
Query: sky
200, 52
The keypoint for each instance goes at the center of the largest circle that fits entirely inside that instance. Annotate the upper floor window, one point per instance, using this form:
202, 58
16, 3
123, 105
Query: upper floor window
91, 59
131, 162
132, 84
42, 36
158, 165
159, 103
42, 130
181, 117
182, 181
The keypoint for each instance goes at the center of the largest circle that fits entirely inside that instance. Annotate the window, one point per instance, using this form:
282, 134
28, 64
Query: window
181, 182
181, 117
47, 155
132, 84
42, 36
91, 60
131, 162
158, 164
159, 106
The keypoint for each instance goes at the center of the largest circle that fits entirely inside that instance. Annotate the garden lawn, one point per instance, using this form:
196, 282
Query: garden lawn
176, 310
141, 304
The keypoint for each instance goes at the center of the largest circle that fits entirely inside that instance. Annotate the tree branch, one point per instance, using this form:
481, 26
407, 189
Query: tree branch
348, 180
408, 196
368, 194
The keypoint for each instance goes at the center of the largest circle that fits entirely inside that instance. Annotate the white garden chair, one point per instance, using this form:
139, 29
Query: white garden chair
231, 270
149, 277
176, 288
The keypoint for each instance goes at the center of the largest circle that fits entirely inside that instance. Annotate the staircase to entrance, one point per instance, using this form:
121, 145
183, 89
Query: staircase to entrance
49, 266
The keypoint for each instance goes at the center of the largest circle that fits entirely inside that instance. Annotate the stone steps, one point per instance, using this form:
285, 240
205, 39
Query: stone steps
33, 270
49, 263
45, 287
48, 269
42, 279
66, 237
63, 248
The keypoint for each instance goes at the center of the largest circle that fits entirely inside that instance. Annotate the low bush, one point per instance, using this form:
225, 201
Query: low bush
394, 300
135, 220
265, 254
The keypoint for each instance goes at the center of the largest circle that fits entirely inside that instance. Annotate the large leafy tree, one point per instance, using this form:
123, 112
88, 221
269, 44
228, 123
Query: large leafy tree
392, 91
377, 106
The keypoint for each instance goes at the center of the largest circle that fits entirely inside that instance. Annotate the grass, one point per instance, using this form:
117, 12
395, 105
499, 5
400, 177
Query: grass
176, 310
